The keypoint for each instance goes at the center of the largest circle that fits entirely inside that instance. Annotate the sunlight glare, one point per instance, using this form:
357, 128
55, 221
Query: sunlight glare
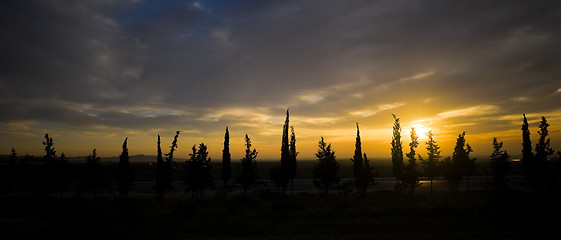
422, 132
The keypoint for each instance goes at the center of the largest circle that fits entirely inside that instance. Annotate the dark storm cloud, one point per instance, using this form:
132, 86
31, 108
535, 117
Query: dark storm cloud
328, 58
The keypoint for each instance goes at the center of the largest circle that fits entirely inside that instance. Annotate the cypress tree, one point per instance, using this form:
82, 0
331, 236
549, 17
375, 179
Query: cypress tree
160, 179
248, 172
13, 157
197, 171
292, 164
431, 165
226, 161
124, 173
326, 169
48, 175
543, 149
50, 153
500, 165
164, 168
469, 167
93, 173
410, 173
361, 167
357, 157
454, 169
397, 153
285, 155
544, 174
528, 161
168, 167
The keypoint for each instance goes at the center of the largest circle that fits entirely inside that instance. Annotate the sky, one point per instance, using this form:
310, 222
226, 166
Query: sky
90, 73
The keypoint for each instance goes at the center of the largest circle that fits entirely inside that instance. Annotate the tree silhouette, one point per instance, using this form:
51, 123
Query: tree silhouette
248, 167
528, 161
13, 157
292, 161
326, 169
124, 173
163, 168
454, 169
544, 173
226, 173
432, 164
168, 166
361, 167
160, 173
48, 175
197, 171
50, 153
410, 173
63, 175
285, 155
93, 173
500, 165
357, 159
397, 153
469, 167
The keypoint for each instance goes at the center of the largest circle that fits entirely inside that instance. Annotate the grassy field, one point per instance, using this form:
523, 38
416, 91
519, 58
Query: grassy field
379, 215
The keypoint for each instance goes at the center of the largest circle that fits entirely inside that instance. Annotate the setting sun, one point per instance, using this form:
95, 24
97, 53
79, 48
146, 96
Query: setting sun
422, 132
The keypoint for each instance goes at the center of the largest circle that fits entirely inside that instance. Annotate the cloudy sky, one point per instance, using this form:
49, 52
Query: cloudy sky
91, 73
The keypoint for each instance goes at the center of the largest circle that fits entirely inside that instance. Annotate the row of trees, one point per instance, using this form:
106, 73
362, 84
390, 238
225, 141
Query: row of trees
540, 170
55, 175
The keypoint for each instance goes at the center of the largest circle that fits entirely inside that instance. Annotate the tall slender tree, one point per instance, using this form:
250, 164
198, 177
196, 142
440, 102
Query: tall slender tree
500, 165
285, 154
528, 161
168, 166
361, 167
48, 182
469, 167
543, 169
357, 159
94, 173
397, 153
160, 173
197, 171
410, 173
431, 164
543, 148
124, 172
292, 161
226, 173
164, 168
326, 169
454, 169
248, 172
50, 153
13, 157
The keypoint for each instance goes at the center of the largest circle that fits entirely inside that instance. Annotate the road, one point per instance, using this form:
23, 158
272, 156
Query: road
302, 185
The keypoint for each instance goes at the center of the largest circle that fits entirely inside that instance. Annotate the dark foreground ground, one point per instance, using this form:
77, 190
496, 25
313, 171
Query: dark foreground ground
380, 215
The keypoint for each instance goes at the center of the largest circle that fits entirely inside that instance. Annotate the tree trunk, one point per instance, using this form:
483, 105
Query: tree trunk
291, 186
431, 186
